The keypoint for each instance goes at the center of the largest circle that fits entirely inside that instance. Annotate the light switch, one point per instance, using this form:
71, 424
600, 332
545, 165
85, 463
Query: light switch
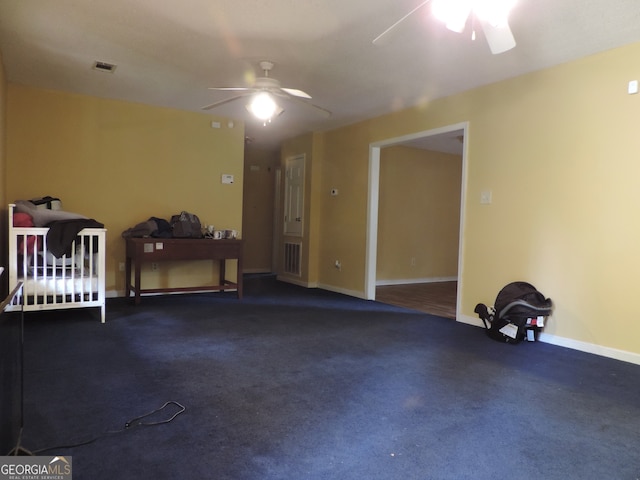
633, 87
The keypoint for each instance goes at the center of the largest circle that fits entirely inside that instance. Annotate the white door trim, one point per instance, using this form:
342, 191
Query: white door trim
372, 205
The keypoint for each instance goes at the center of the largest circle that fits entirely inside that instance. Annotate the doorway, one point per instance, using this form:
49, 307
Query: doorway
434, 298
442, 139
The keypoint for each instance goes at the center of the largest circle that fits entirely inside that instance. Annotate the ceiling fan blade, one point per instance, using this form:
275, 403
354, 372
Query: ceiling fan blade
295, 92
222, 102
499, 38
377, 40
326, 113
231, 89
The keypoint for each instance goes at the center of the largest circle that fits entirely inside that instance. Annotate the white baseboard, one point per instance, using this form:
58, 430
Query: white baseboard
343, 291
608, 352
296, 281
322, 286
475, 321
408, 281
586, 347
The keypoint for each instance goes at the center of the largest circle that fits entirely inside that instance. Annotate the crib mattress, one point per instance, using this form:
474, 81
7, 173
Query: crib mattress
52, 286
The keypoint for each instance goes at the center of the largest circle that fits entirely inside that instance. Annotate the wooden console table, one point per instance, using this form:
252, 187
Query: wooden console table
140, 250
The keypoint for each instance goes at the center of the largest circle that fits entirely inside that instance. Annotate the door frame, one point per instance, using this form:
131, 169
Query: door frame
277, 221
373, 200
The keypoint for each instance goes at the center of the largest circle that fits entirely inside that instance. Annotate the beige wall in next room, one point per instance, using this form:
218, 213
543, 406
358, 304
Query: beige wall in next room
418, 215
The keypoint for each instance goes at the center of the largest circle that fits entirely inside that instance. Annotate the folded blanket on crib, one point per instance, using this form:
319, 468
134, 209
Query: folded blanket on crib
62, 233
63, 226
41, 217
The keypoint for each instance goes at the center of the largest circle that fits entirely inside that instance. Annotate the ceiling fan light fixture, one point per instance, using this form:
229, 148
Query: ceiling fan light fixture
263, 91
453, 13
264, 107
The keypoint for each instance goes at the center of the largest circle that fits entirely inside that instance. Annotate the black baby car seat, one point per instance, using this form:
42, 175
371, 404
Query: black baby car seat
519, 312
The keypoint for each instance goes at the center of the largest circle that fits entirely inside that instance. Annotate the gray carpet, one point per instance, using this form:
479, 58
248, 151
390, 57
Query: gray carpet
295, 384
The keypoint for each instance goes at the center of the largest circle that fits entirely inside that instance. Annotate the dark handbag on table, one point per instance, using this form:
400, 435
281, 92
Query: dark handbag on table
186, 225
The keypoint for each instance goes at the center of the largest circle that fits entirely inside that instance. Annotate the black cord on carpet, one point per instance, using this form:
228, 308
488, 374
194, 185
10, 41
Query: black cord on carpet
135, 422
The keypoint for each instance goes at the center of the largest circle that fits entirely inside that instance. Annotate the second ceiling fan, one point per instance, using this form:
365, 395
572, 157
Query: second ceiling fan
491, 14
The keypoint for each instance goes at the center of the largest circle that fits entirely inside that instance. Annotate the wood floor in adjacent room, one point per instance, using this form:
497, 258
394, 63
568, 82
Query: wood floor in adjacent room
438, 298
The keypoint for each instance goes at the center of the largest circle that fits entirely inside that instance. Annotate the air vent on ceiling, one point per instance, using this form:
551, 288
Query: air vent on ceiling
104, 66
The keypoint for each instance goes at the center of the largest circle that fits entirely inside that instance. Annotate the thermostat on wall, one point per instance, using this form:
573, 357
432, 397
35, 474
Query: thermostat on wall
226, 178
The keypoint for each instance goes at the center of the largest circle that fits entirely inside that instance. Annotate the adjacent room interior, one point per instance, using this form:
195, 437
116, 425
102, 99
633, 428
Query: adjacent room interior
419, 218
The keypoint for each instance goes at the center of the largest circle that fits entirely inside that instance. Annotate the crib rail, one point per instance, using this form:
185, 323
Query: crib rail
75, 280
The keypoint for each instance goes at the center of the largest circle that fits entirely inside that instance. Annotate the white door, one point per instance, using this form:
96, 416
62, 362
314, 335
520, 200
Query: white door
294, 196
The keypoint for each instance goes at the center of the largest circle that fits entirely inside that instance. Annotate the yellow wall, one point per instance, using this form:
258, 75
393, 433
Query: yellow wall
3, 187
418, 215
3, 102
260, 168
344, 217
122, 163
558, 148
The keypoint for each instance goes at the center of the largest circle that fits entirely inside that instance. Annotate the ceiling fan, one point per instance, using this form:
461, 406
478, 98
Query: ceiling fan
491, 14
271, 86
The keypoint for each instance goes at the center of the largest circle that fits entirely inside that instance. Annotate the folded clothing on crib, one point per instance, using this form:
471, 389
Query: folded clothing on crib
62, 233
42, 217
63, 226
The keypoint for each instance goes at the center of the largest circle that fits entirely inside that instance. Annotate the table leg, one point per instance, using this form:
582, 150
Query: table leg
223, 273
127, 278
136, 285
239, 277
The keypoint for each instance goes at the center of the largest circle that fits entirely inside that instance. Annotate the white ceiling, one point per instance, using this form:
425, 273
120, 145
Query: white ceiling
169, 52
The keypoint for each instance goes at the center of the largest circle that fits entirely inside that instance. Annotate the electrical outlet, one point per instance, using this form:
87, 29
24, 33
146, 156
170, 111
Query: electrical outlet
154, 266
338, 265
414, 262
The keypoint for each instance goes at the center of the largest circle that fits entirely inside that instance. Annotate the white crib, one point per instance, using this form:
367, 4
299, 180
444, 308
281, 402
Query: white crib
50, 283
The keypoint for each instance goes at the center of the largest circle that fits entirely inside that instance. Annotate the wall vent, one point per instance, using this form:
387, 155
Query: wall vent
292, 258
104, 66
